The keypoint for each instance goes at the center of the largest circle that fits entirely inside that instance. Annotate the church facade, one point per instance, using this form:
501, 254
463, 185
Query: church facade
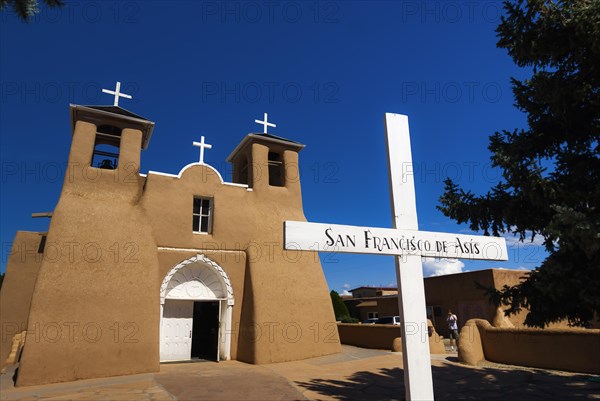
139, 269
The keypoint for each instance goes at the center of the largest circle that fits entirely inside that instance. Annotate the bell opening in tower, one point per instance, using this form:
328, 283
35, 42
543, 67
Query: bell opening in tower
106, 147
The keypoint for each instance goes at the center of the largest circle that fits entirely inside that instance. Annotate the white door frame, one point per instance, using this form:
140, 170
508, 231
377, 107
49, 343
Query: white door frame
201, 279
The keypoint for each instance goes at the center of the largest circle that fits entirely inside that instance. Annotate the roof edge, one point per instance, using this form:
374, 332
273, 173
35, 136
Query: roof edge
148, 125
298, 146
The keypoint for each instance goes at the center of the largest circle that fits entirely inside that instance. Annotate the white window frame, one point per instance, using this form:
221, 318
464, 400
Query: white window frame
372, 315
201, 215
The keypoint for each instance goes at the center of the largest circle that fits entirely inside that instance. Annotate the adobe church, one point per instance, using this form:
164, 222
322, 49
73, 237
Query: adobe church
139, 269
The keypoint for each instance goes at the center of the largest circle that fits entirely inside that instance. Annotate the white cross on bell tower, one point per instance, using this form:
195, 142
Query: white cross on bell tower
202, 146
117, 93
265, 124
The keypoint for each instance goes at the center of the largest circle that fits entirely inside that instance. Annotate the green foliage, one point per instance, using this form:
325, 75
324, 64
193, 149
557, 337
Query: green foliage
551, 170
339, 307
26, 9
348, 319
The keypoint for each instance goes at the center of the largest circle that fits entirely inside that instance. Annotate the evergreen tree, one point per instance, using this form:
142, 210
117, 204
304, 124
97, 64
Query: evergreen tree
551, 170
339, 307
26, 9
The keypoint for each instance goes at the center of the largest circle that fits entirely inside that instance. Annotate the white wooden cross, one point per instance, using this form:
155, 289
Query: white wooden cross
408, 245
265, 124
202, 146
117, 93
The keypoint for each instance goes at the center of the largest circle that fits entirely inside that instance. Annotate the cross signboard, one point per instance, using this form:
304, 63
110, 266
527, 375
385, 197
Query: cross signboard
388, 241
408, 245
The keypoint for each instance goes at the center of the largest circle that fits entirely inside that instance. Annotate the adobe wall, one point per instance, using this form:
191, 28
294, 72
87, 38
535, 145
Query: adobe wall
388, 306
285, 315
377, 336
383, 336
458, 293
94, 311
22, 268
510, 278
453, 291
576, 350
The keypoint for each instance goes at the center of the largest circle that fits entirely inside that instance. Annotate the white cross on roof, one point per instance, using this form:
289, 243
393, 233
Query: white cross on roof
117, 93
265, 124
202, 145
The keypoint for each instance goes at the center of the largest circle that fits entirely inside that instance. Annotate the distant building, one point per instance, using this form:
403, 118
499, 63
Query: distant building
363, 302
365, 292
457, 292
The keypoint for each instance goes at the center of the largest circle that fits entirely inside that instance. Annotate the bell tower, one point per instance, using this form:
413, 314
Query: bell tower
107, 142
267, 163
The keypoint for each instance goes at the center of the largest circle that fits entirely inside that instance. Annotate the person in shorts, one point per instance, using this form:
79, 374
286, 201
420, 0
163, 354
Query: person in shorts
452, 321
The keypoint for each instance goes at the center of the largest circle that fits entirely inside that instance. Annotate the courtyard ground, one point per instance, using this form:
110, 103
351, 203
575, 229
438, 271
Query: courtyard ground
355, 374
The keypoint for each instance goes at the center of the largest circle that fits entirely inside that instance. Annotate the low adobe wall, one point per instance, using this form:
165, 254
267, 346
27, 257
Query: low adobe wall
575, 350
383, 336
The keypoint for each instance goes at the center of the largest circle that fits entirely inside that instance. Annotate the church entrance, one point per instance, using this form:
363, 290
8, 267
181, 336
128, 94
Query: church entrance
190, 330
196, 306
205, 331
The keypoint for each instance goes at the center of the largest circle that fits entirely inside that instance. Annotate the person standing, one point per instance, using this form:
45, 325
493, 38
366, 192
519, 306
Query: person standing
452, 321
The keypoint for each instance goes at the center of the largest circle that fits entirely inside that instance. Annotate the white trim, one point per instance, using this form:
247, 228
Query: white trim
168, 248
200, 258
178, 176
235, 184
163, 174
189, 166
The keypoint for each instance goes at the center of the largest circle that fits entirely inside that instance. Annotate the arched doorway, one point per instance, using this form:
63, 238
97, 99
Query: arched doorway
196, 300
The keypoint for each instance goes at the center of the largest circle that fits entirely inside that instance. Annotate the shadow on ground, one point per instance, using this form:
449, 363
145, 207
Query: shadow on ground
462, 383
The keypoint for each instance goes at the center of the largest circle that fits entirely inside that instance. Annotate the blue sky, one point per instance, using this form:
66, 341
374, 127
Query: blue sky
326, 72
